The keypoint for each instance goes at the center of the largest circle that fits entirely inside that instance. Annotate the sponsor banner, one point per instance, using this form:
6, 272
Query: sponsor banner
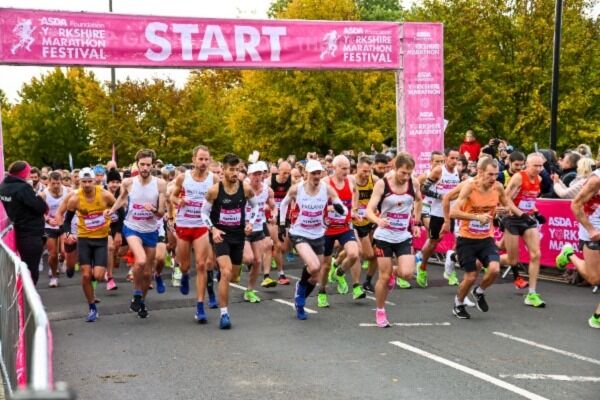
40, 37
423, 63
560, 228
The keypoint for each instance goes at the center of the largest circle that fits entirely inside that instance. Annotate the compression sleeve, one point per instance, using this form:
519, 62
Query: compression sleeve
68, 219
428, 189
254, 211
205, 214
283, 209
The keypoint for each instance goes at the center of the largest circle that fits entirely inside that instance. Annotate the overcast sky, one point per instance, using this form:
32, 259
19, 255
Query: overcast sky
12, 78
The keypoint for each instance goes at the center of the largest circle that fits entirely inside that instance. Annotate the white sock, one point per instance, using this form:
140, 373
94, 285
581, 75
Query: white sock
531, 290
479, 290
457, 302
224, 311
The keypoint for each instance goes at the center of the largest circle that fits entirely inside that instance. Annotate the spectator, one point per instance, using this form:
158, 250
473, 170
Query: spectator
585, 166
470, 147
568, 165
381, 162
26, 210
585, 151
550, 167
462, 167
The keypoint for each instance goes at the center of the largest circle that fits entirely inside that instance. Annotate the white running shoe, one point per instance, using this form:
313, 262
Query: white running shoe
53, 282
448, 263
468, 302
62, 268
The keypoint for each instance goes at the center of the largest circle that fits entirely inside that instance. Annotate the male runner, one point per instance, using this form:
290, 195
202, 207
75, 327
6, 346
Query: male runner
475, 207
115, 239
90, 203
523, 188
586, 207
188, 196
308, 229
144, 195
280, 184
224, 213
397, 200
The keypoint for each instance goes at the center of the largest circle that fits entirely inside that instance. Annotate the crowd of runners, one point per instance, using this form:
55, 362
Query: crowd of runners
347, 219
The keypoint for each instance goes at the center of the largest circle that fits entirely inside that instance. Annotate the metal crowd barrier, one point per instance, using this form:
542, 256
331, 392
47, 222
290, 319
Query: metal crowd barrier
25, 336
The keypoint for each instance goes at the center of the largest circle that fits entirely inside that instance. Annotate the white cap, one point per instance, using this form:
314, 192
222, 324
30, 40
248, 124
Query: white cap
262, 165
86, 173
313, 165
254, 168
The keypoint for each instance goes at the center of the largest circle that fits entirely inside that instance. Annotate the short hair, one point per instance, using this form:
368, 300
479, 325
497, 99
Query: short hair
231, 160
516, 156
155, 172
381, 158
181, 168
404, 159
200, 147
436, 153
55, 176
144, 154
365, 160
448, 150
17, 167
338, 159
573, 158
75, 171
484, 162
34, 170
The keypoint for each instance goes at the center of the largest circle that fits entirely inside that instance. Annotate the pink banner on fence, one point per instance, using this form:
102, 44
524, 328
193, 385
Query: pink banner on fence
560, 228
68, 38
423, 63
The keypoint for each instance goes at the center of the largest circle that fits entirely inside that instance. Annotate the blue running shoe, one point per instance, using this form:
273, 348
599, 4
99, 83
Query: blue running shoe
200, 314
212, 301
301, 313
92, 315
160, 285
225, 322
185, 284
300, 295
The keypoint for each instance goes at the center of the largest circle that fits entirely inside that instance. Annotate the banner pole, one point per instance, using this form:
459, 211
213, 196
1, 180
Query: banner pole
400, 101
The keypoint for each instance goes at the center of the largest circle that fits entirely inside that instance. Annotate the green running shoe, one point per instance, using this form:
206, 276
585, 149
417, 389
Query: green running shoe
534, 300
322, 300
94, 284
563, 258
358, 292
594, 322
250, 296
365, 264
422, 278
452, 278
402, 284
77, 267
342, 285
332, 268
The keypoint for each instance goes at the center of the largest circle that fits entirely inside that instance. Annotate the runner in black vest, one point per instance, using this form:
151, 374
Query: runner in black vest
280, 183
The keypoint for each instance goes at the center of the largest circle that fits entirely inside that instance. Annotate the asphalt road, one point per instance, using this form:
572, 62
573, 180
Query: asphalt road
511, 352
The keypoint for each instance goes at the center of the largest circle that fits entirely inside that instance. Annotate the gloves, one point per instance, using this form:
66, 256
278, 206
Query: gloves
540, 218
281, 233
340, 209
529, 218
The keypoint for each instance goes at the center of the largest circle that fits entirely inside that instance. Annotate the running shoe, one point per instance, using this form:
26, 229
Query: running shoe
461, 312
301, 313
381, 319
480, 300
468, 302
368, 287
358, 292
70, 272
391, 282
225, 322
520, 283
169, 260
250, 296
322, 300
403, 284
534, 300
143, 312
200, 315
452, 278
92, 316
563, 258
77, 266
111, 284
136, 303
448, 263
421, 278
283, 280
330, 276
129, 277
212, 301
160, 285
53, 282
176, 277
365, 264
594, 322
185, 284
342, 285
290, 257
62, 268
300, 295
268, 282
273, 264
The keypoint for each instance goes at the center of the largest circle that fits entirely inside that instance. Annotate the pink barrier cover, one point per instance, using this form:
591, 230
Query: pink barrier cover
560, 228
423, 62
69, 38
21, 359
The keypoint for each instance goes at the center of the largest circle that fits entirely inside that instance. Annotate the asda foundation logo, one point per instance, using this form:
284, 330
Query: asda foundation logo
23, 32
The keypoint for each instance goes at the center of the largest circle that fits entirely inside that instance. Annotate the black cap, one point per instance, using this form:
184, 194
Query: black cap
113, 175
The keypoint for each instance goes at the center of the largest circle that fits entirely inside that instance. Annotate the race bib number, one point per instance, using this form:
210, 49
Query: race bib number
479, 228
398, 221
362, 211
94, 221
526, 204
230, 217
139, 213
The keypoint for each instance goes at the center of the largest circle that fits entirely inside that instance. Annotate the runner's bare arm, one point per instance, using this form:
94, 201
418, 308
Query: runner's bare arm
176, 191
253, 202
122, 200
514, 184
283, 207
374, 202
418, 201
591, 187
271, 205
457, 213
354, 189
162, 197
450, 196
506, 201
338, 206
62, 209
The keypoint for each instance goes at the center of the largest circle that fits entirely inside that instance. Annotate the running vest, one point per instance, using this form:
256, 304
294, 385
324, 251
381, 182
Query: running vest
280, 189
507, 175
261, 198
189, 214
479, 203
447, 182
338, 223
228, 213
592, 209
310, 213
53, 204
397, 209
364, 195
528, 192
91, 223
138, 218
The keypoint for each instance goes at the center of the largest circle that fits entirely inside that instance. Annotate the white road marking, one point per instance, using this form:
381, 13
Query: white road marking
386, 302
470, 371
553, 377
235, 285
549, 348
292, 276
364, 325
289, 303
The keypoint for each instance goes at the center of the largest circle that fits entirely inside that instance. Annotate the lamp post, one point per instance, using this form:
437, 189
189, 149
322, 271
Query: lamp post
555, 73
